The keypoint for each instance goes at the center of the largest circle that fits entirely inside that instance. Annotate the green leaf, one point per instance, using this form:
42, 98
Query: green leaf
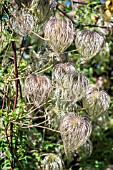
8, 153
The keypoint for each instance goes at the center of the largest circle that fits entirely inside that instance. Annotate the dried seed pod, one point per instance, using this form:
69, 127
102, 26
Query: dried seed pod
80, 86
69, 85
67, 106
60, 34
86, 149
61, 77
37, 88
89, 43
53, 162
21, 22
62, 69
96, 103
103, 23
42, 10
75, 131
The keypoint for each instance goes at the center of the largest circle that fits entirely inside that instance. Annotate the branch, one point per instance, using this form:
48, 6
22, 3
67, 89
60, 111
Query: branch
11, 146
25, 126
16, 73
73, 9
66, 15
82, 3
78, 24
15, 103
88, 25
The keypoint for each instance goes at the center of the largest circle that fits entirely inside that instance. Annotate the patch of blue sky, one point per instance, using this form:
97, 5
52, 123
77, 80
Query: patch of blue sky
4, 17
68, 3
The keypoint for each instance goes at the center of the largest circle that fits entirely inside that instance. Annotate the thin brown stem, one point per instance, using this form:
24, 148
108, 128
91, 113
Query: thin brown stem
16, 73
73, 9
11, 146
88, 25
66, 15
20, 89
82, 3
15, 104
79, 24
25, 126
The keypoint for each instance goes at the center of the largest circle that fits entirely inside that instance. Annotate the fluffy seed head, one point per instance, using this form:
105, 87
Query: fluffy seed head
96, 103
60, 70
21, 22
88, 43
69, 85
75, 131
53, 162
60, 34
42, 10
37, 88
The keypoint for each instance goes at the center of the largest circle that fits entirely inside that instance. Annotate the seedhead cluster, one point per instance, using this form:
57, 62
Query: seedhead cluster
67, 88
42, 10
